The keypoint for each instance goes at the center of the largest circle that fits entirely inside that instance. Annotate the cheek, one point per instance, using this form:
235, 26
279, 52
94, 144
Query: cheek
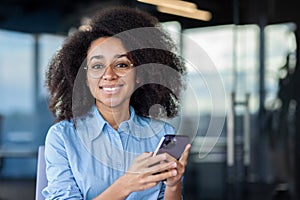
92, 84
131, 82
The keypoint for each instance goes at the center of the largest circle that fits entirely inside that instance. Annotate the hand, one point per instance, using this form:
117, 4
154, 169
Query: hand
147, 171
180, 167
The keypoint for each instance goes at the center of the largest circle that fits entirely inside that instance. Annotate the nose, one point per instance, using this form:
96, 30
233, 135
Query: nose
109, 74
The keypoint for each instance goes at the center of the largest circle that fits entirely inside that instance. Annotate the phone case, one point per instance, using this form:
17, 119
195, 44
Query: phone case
173, 145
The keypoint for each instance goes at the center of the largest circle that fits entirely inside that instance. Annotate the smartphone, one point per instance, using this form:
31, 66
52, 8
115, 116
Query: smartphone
172, 144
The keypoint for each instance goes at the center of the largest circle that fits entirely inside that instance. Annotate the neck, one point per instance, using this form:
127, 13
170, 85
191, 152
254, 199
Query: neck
114, 116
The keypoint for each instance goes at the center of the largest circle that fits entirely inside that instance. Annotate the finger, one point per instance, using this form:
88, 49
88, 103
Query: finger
161, 167
185, 154
153, 160
163, 175
173, 180
170, 158
143, 156
180, 166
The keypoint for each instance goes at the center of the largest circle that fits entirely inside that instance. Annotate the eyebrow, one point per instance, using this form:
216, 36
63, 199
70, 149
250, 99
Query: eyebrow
116, 56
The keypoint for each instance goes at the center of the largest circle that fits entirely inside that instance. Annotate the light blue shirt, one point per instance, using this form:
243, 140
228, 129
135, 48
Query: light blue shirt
84, 161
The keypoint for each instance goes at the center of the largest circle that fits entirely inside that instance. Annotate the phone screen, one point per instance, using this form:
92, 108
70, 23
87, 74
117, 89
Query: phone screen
173, 145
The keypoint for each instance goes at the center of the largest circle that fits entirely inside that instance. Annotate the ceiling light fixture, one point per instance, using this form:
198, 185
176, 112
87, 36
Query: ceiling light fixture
180, 8
196, 14
174, 4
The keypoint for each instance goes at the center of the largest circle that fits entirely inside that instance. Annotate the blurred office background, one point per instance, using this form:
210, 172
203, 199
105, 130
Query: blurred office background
245, 144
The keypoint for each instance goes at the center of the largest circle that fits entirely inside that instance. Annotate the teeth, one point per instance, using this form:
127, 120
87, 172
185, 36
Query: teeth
110, 89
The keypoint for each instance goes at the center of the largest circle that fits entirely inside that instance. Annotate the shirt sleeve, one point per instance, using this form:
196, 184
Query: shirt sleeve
61, 182
161, 192
169, 129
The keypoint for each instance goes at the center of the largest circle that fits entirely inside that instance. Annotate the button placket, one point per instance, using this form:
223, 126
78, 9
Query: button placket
117, 149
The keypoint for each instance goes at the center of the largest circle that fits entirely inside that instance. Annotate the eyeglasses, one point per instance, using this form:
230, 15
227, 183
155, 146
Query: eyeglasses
119, 66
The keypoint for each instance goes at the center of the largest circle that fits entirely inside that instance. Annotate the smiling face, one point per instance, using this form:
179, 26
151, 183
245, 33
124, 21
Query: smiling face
110, 73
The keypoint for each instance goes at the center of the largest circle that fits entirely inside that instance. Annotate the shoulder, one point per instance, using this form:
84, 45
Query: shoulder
59, 131
62, 126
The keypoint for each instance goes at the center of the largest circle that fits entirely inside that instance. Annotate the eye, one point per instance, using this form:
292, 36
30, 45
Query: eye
97, 66
122, 65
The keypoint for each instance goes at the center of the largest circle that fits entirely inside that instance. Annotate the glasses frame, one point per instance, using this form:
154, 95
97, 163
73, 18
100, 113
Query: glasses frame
131, 66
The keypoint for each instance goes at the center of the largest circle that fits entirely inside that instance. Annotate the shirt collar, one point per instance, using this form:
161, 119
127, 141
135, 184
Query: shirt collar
91, 125
129, 125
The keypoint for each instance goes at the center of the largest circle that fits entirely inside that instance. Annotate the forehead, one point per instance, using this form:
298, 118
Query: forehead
107, 47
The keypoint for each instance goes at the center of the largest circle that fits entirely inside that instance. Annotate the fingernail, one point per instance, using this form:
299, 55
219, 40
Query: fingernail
174, 172
174, 164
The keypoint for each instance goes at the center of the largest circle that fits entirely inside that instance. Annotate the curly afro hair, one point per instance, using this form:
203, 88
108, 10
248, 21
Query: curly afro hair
160, 69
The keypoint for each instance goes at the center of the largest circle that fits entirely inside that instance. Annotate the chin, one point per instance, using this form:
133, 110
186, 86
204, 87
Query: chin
112, 103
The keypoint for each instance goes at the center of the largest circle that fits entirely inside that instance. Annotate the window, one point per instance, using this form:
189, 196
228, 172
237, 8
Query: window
16, 73
280, 42
232, 56
23, 107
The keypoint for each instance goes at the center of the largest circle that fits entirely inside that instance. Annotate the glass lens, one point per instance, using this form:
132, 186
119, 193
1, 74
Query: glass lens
120, 67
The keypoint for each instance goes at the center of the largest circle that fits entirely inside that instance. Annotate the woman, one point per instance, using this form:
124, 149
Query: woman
109, 85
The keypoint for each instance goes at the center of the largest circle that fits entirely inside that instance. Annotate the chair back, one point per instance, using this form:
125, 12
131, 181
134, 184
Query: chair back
41, 179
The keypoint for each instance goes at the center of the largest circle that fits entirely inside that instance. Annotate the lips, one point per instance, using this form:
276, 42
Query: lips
111, 88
